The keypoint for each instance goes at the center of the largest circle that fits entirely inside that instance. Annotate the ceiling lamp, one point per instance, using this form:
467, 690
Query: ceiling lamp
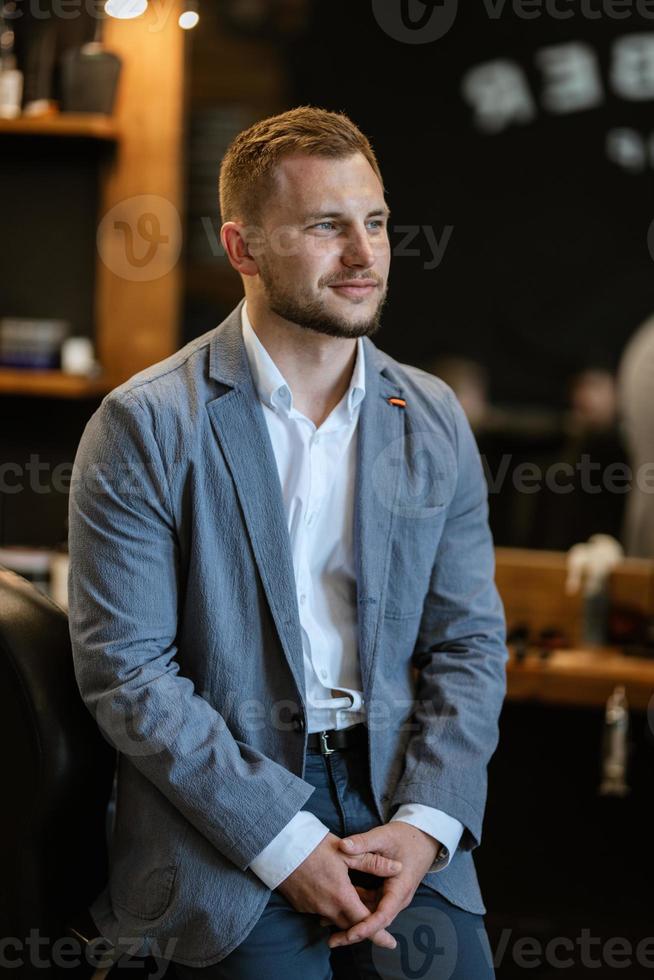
189, 16
125, 9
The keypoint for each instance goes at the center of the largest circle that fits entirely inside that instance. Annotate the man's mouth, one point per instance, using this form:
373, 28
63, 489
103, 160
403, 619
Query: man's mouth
355, 288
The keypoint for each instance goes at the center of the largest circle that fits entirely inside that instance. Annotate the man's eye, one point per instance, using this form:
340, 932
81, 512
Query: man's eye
328, 225
376, 223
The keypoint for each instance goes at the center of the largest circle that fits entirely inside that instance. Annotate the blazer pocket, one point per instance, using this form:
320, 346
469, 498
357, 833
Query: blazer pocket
146, 894
391, 612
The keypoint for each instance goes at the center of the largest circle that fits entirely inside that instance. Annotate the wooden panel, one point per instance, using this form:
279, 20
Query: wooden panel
54, 384
532, 586
632, 585
581, 677
139, 238
86, 125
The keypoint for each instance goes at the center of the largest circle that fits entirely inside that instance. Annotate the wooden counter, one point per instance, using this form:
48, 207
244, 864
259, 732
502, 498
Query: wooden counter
581, 677
532, 586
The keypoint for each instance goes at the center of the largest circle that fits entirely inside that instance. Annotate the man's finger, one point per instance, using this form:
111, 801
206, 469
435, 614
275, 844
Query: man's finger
384, 939
357, 913
369, 896
381, 937
371, 840
374, 864
352, 912
388, 908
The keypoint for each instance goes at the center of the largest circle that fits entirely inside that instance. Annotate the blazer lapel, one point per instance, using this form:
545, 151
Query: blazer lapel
240, 428
380, 450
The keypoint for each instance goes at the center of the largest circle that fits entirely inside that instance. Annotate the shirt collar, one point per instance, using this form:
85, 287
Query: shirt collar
271, 384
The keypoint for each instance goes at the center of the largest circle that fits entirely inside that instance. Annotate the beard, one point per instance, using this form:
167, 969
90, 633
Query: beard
311, 314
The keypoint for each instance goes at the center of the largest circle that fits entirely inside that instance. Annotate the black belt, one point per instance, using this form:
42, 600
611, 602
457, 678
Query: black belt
334, 739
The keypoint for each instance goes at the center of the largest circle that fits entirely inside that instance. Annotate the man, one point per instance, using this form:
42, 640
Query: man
282, 606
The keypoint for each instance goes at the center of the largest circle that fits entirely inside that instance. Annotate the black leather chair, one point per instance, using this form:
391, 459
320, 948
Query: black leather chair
57, 775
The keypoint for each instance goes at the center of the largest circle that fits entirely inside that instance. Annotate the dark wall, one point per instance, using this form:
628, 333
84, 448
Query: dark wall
559, 858
38, 442
49, 223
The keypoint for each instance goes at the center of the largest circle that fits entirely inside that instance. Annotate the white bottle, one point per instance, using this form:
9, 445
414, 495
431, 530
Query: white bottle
11, 88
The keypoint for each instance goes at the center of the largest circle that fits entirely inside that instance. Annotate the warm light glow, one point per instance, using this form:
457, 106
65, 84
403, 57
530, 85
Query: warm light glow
188, 19
125, 9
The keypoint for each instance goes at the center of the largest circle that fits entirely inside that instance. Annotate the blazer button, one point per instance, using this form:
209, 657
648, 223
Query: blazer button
299, 724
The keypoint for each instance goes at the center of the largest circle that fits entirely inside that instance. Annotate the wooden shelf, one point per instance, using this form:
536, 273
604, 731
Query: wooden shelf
68, 124
50, 384
584, 678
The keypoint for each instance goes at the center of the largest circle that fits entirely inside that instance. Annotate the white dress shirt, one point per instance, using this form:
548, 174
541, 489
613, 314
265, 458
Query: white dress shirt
317, 469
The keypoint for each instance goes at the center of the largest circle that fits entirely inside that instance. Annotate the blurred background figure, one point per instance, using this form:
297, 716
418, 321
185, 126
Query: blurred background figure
636, 399
593, 400
469, 381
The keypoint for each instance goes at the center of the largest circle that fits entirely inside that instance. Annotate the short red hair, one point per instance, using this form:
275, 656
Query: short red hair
247, 169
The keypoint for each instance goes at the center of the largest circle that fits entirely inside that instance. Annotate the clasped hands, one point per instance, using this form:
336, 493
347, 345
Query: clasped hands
397, 852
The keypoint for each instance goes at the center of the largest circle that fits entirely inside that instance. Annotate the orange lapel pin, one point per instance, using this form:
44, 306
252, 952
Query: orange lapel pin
400, 402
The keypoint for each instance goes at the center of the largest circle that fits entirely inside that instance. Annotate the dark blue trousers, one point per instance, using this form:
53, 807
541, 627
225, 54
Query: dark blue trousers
435, 939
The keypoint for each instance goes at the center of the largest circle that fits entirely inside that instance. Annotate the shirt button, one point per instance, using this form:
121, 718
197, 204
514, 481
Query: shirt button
311, 517
323, 674
316, 440
303, 598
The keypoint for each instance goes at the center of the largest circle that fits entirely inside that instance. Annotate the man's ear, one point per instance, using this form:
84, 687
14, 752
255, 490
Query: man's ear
241, 244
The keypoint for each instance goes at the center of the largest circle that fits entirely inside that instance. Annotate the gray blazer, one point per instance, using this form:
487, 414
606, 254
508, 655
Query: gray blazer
186, 636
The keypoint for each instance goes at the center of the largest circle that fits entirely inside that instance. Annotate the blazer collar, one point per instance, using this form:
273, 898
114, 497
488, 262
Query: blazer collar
228, 362
272, 386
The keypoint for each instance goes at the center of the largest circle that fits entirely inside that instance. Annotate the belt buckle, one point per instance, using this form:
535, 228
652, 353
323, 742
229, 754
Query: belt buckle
324, 745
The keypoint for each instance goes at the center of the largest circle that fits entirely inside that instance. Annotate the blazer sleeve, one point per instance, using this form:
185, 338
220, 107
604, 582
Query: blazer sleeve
123, 608
460, 657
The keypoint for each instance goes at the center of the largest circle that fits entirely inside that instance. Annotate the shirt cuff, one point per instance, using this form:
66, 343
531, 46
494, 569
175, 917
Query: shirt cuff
447, 830
289, 848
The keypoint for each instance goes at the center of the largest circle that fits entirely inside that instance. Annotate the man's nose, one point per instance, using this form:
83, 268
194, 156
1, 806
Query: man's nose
359, 250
